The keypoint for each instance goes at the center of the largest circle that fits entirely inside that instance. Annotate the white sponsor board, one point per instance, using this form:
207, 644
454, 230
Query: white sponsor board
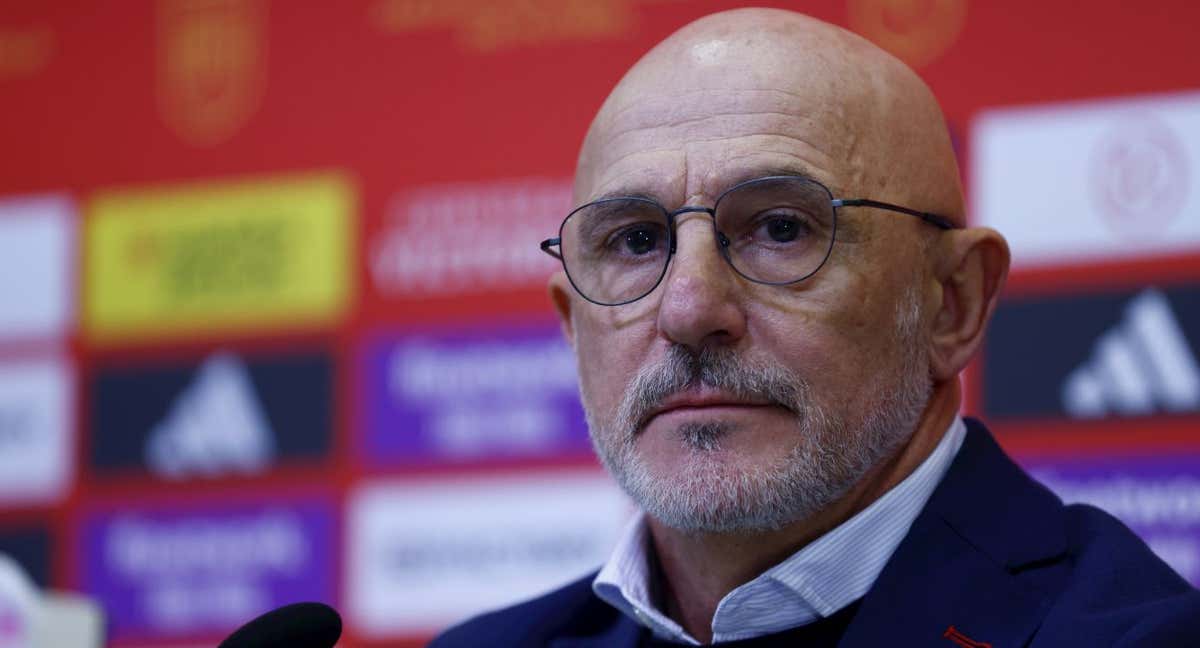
37, 243
423, 555
1087, 181
35, 430
468, 237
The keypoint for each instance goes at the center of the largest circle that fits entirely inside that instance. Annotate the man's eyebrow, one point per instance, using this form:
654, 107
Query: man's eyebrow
599, 221
623, 193
787, 170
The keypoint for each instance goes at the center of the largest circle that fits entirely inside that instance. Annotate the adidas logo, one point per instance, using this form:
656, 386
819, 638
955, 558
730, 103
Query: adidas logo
1142, 365
215, 426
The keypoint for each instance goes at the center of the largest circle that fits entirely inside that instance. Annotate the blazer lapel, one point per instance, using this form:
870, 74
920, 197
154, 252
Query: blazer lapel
978, 566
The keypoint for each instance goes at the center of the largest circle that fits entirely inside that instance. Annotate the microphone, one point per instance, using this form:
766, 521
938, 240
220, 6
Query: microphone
299, 625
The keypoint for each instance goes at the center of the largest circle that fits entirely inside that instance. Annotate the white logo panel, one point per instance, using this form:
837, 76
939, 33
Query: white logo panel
35, 430
1109, 179
423, 555
36, 247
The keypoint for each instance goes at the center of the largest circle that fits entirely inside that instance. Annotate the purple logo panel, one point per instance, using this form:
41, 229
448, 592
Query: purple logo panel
472, 394
1157, 497
165, 573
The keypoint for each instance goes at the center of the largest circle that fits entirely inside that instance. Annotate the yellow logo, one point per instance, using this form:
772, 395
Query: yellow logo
217, 257
499, 24
24, 52
211, 66
915, 31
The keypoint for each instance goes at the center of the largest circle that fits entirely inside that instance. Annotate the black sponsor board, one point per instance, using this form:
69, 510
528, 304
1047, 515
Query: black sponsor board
30, 548
1126, 354
218, 415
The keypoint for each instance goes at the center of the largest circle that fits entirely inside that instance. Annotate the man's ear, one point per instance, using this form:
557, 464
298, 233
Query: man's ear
560, 294
970, 270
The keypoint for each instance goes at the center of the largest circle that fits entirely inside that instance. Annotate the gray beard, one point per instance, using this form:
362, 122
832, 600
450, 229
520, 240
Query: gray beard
709, 495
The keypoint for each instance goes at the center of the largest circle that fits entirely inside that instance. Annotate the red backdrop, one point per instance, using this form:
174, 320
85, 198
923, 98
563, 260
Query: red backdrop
452, 127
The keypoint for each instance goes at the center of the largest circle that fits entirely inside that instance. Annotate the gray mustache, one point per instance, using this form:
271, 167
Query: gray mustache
714, 367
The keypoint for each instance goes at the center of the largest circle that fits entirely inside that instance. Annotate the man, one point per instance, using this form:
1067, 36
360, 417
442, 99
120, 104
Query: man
771, 292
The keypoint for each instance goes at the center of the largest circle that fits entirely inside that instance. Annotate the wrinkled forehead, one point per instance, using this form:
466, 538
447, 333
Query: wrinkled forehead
702, 142
698, 117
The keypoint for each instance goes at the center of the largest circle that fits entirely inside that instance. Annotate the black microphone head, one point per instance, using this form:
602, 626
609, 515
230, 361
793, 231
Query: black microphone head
299, 625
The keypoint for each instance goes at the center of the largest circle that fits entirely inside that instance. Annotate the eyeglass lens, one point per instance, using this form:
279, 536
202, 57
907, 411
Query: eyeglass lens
771, 230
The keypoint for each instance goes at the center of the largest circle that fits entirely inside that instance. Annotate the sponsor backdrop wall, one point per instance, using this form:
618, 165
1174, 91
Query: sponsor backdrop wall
272, 316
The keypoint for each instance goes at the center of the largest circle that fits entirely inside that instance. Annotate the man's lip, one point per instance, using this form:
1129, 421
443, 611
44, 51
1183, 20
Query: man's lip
702, 400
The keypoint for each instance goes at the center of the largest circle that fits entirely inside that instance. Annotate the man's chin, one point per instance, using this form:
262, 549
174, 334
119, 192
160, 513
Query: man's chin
716, 491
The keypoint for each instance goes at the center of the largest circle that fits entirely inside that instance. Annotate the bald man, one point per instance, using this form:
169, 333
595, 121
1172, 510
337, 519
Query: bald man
771, 292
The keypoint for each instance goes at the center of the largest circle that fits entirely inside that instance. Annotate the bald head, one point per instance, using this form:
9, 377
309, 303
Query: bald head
802, 94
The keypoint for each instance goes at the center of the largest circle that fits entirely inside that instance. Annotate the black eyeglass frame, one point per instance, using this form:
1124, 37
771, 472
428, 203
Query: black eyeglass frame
937, 221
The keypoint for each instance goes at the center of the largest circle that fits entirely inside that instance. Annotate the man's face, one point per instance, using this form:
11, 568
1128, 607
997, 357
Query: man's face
722, 404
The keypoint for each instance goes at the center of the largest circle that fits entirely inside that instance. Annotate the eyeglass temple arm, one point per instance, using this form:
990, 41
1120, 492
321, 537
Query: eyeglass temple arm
549, 243
932, 219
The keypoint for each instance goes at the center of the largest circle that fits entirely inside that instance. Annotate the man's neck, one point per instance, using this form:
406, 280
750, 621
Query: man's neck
698, 570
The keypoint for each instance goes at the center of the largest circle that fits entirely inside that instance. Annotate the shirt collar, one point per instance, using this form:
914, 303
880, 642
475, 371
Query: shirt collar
826, 575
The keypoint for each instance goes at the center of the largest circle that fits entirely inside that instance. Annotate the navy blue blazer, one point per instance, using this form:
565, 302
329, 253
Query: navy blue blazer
994, 557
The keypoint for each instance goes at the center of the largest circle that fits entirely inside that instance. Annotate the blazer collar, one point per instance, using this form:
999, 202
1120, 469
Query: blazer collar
989, 499
980, 560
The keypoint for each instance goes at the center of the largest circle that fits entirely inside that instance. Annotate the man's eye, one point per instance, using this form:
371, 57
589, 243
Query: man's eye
782, 229
639, 241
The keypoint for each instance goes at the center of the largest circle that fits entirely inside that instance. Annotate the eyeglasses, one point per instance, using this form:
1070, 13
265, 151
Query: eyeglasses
776, 230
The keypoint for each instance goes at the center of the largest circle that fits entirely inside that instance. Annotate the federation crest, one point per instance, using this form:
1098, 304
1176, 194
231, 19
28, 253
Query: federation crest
1139, 177
211, 66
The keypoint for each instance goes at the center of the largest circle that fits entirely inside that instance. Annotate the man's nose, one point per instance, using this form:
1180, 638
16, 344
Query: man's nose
700, 304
